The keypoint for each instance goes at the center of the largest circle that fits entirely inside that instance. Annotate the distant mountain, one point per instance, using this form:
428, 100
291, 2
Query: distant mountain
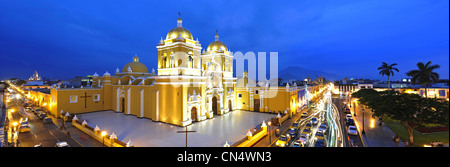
298, 73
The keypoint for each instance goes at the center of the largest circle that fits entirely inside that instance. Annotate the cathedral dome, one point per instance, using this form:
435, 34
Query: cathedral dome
135, 66
175, 32
216, 45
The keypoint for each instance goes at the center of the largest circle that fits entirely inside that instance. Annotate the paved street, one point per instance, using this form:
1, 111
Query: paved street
46, 134
349, 140
270, 140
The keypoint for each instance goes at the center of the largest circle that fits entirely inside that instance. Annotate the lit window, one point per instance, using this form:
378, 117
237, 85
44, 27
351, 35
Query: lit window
73, 99
96, 97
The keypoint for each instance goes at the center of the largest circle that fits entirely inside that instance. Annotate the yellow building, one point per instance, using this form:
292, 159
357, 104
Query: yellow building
188, 86
261, 97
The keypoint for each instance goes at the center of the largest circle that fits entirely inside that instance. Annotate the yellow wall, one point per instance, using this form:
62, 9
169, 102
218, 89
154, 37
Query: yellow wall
43, 100
63, 100
277, 99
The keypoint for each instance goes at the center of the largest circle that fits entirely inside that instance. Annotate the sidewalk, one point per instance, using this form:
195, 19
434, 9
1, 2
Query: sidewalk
375, 135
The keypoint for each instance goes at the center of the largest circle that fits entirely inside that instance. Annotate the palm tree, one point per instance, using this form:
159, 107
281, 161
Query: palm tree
387, 70
424, 75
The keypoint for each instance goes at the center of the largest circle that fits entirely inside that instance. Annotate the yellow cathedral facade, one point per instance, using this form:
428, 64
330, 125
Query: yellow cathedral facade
188, 86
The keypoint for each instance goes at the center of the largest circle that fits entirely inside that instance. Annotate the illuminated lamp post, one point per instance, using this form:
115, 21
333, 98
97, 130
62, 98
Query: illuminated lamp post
103, 136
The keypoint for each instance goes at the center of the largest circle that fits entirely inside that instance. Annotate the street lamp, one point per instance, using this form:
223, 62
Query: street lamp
14, 132
103, 136
270, 136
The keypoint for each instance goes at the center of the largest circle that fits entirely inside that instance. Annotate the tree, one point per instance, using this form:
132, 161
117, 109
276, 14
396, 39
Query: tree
410, 109
387, 70
365, 96
424, 75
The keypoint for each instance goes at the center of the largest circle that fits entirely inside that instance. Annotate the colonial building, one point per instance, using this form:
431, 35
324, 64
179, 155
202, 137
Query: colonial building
188, 86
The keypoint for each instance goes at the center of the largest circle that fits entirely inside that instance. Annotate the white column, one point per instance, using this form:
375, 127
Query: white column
209, 103
261, 104
251, 101
128, 100
118, 99
221, 100
157, 105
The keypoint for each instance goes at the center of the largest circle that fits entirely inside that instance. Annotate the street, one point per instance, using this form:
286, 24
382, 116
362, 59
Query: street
45, 135
349, 140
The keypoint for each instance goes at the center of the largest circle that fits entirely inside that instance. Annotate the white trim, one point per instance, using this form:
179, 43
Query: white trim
117, 99
73, 101
94, 99
178, 83
128, 100
157, 105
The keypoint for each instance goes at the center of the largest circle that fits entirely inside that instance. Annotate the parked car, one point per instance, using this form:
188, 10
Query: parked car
352, 130
42, 115
348, 116
62, 144
347, 110
350, 122
304, 115
37, 111
48, 120
24, 128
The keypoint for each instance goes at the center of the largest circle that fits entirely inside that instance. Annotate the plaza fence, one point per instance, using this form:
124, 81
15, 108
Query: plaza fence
96, 134
258, 132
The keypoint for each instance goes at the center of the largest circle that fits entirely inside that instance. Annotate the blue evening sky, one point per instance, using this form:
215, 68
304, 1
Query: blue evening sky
62, 38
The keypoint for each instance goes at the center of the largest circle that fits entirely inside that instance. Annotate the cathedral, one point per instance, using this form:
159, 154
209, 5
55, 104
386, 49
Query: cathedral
189, 85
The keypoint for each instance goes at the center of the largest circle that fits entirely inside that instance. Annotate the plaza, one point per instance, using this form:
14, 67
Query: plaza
143, 132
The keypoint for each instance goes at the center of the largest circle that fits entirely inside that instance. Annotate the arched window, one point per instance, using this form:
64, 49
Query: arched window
179, 62
191, 60
164, 61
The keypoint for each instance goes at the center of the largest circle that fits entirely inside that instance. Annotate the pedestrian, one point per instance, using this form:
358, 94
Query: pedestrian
440, 144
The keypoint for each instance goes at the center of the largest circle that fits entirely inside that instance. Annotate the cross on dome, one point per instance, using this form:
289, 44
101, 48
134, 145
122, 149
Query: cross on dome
217, 35
179, 21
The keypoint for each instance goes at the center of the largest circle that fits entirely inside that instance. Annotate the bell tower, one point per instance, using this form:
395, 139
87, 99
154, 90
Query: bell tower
179, 54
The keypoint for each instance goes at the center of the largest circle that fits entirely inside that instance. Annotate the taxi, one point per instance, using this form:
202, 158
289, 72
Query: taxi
294, 125
283, 141
319, 135
307, 131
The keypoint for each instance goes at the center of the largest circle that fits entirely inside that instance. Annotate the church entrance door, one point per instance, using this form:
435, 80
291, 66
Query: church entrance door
194, 114
122, 105
214, 105
230, 105
256, 105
